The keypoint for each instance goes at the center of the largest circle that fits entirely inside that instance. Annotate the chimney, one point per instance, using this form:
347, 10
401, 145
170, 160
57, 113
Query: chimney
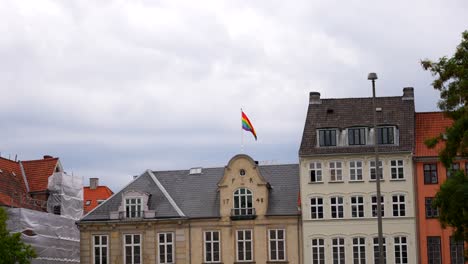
408, 93
93, 183
48, 157
314, 98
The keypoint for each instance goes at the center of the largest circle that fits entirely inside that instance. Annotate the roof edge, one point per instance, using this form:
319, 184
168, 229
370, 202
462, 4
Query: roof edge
166, 194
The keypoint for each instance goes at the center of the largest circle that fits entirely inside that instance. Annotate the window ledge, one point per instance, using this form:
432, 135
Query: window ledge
372, 180
244, 262
277, 262
320, 182
336, 182
397, 180
355, 181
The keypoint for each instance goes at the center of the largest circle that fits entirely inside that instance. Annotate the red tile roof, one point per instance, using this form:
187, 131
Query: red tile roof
38, 172
100, 193
429, 125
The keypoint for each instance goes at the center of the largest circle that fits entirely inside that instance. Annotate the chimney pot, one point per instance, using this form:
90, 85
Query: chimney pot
408, 93
93, 183
48, 157
314, 98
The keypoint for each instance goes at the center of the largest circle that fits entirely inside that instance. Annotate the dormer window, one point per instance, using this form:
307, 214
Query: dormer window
243, 205
133, 207
327, 137
386, 135
356, 136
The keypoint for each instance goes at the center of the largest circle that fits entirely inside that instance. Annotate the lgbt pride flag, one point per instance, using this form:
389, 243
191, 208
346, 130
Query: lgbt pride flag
247, 126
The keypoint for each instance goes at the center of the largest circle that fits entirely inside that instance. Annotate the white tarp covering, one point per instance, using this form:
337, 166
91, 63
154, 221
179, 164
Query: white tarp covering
66, 195
56, 239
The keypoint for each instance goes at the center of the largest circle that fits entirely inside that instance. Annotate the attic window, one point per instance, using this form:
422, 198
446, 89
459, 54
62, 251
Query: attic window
196, 170
88, 202
242, 172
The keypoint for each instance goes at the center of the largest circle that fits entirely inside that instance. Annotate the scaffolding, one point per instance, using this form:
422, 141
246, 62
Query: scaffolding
65, 195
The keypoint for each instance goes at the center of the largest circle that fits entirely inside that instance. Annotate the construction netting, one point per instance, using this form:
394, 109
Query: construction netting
66, 195
56, 239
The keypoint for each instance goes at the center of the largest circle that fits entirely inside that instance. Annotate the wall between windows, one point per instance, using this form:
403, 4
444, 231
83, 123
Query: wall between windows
193, 230
349, 227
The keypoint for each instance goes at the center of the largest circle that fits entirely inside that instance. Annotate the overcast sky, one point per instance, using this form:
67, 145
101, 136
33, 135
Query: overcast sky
117, 87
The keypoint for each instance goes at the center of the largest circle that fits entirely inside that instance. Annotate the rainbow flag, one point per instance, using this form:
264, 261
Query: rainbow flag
247, 126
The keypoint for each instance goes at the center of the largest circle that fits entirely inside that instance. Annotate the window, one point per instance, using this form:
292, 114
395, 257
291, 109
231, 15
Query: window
336, 204
335, 171
316, 208
396, 167
431, 212
244, 245
133, 207
372, 170
401, 250
315, 169
399, 207
318, 251
100, 249
88, 202
453, 168
277, 245
132, 245
466, 168
385, 135
457, 251
374, 205
359, 250
242, 172
243, 202
357, 206
57, 210
376, 250
212, 247
356, 136
433, 250
327, 137
166, 248
338, 250
355, 170
430, 174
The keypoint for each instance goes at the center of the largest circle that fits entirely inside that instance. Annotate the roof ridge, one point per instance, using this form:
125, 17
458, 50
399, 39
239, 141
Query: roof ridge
166, 193
347, 98
260, 165
48, 159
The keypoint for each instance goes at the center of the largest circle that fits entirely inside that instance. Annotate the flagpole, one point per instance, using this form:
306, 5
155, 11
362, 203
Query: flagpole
242, 135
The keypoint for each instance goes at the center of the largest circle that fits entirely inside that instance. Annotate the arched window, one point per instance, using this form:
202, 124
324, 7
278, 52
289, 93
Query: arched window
243, 202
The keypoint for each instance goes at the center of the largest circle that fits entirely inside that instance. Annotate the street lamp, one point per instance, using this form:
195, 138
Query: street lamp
373, 76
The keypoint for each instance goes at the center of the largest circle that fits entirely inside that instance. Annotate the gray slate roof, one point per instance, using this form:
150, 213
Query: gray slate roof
348, 112
197, 194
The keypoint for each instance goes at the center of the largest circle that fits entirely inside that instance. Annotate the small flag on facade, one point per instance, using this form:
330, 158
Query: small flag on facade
247, 126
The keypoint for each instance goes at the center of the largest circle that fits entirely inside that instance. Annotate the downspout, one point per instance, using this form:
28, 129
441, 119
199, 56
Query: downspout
190, 242
299, 235
416, 209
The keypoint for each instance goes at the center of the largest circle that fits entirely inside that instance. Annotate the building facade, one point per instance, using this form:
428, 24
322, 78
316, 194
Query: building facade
436, 244
337, 176
242, 213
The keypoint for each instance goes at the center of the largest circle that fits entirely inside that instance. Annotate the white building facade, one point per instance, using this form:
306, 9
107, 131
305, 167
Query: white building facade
337, 180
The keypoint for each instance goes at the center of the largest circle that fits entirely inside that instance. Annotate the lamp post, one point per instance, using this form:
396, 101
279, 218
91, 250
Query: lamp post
373, 76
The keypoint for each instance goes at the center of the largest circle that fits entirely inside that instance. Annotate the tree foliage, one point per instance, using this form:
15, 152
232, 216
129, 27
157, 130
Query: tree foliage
12, 249
451, 79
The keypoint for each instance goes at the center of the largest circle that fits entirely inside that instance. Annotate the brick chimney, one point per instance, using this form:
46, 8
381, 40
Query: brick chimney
408, 93
48, 157
93, 183
314, 98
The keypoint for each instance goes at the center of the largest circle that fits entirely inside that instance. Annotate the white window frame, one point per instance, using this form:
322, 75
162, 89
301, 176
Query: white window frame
361, 249
165, 244
100, 246
373, 167
399, 203
316, 206
374, 203
403, 247
376, 246
133, 245
359, 205
138, 205
335, 168
318, 171
340, 249
337, 206
244, 241
397, 168
276, 241
319, 247
355, 169
243, 210
212, 242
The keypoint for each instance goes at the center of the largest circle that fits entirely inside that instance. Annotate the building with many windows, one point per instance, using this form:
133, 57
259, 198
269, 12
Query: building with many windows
436, 244
242, 213
338, 173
